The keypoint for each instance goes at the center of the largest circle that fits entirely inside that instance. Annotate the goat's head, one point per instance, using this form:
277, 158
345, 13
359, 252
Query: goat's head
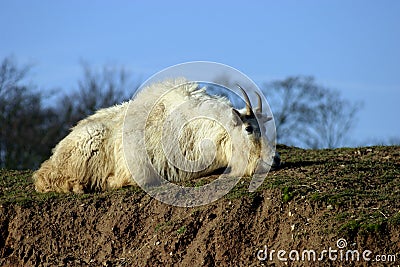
251, 125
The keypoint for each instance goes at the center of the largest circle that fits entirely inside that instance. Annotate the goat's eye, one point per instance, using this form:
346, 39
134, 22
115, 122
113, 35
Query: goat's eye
249, 129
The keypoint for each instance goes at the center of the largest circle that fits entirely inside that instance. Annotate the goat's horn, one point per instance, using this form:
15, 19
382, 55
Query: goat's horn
249, 110
259, 108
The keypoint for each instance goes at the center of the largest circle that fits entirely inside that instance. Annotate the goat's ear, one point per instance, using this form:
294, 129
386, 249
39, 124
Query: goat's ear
237, 117
263, 118
266, 118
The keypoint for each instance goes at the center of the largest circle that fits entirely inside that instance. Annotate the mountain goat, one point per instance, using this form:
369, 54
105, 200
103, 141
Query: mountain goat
92, 157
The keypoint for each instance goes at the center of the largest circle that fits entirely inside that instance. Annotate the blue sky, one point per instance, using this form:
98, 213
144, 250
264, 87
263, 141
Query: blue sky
352, 46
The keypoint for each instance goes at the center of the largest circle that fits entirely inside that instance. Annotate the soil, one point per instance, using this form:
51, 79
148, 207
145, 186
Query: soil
327, 201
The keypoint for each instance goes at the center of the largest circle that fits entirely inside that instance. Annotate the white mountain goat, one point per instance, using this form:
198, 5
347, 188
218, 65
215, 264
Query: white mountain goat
91, 157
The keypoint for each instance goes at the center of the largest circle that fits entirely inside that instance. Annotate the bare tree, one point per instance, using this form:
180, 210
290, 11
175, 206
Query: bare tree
96, 90
29, 128
309, 115
25, 124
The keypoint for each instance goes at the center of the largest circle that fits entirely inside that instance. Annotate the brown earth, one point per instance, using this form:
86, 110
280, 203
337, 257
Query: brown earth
316, 198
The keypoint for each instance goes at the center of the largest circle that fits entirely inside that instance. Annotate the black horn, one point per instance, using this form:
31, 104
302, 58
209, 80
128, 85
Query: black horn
259, 108
249, 110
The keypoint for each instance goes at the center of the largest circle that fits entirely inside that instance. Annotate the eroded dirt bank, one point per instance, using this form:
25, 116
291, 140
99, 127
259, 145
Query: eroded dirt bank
315, 199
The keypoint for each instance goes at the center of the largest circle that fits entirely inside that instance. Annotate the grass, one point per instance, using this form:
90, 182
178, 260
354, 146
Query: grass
181, 230
365, 223
16, 187
240, 190
287, 194
395, 219
350, 227
162, 226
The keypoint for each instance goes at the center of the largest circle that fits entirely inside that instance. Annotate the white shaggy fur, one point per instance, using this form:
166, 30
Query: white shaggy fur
91, 156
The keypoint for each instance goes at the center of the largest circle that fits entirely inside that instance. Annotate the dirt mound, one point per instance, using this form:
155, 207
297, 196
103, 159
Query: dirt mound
322, 208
